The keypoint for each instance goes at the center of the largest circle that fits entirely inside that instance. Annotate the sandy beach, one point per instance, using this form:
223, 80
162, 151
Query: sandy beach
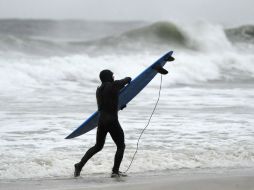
219, 180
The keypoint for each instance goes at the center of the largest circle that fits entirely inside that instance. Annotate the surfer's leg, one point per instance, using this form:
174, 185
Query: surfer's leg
117, 135
100, 141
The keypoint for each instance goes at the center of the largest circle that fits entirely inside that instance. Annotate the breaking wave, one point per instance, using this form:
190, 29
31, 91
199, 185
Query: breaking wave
61, 38
204, 52
160, 32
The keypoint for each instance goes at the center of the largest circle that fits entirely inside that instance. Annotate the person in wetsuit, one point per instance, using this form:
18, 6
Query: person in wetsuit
107, 100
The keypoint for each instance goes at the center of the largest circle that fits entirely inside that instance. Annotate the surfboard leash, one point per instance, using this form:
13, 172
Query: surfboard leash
155, 106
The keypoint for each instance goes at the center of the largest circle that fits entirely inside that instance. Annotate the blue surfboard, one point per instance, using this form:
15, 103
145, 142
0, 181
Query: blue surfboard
127, 93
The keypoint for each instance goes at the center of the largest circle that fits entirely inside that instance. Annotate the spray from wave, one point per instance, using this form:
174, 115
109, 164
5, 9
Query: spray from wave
243, 34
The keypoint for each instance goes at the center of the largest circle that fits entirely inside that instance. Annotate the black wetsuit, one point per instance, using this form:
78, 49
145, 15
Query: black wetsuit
107, 100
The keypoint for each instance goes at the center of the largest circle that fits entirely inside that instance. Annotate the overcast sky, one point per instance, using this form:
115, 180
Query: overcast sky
222, 11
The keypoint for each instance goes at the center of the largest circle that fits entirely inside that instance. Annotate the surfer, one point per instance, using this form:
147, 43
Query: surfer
107, 101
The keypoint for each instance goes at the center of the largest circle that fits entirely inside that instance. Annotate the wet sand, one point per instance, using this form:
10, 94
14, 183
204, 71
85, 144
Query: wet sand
237, 180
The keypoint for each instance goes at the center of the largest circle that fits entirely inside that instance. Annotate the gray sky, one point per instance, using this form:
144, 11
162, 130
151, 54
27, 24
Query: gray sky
222, 11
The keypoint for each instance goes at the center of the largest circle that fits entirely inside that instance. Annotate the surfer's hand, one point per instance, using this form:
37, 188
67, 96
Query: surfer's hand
129, 80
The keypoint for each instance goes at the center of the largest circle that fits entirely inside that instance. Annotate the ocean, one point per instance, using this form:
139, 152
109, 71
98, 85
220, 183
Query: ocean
49, 74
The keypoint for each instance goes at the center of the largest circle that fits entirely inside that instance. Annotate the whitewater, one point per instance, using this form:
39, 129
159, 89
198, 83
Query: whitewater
48, 78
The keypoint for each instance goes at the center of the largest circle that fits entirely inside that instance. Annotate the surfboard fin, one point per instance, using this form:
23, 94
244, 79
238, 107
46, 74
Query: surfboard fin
160, 69
124, 106
170, 58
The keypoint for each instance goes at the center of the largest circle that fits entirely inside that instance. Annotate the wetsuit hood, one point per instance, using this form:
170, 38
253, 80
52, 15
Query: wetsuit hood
106, 76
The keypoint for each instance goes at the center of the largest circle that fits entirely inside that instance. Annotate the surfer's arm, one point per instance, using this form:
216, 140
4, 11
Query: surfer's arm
121, 83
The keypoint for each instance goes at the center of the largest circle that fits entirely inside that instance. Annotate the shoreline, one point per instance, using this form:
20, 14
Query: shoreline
219, 179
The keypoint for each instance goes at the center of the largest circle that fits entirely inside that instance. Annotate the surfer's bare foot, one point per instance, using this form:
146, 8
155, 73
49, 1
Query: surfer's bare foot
118, 174
77, 170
